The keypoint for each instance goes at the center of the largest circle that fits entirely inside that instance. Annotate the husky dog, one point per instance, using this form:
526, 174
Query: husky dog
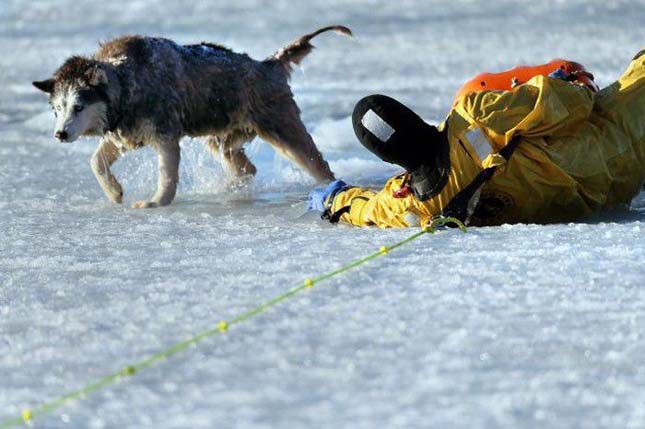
136, 91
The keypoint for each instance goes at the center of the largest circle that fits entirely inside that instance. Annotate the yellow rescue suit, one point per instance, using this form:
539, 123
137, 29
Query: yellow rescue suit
578, 153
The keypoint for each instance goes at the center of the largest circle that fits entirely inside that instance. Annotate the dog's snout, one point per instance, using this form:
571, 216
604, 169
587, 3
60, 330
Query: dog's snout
61, 135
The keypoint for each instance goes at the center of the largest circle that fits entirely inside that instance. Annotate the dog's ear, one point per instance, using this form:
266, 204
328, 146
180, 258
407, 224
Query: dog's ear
45, 85
96, 76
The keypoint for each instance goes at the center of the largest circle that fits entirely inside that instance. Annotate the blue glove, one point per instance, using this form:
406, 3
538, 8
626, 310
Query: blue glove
560, 74
318, 196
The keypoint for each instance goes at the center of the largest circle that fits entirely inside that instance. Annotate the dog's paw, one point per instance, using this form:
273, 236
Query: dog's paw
114, 193
116, 198
144, 205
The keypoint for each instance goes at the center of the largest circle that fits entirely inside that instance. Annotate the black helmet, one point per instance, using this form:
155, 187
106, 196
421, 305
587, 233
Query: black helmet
399, 136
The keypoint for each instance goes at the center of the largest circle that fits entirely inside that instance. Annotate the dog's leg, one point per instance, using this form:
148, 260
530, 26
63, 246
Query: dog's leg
231, 149
167, 175
104, 156
286, 132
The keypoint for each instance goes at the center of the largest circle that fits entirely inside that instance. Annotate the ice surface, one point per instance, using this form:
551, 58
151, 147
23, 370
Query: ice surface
518, 326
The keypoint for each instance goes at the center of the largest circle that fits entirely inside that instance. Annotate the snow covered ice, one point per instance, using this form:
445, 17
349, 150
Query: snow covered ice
518, 326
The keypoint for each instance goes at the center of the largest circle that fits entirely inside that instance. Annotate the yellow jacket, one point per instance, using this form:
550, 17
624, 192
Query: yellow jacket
579, 153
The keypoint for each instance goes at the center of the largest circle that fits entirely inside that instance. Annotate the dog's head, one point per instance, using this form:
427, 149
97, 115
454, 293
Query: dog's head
78, 96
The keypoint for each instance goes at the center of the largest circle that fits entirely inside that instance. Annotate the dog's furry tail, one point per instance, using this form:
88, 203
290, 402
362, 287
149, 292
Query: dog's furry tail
300, 48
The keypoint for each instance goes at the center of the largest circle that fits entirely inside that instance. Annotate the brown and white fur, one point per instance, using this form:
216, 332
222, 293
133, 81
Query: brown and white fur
136, 91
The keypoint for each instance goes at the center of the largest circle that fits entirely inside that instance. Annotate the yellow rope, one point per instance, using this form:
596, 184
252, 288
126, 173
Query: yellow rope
28, 414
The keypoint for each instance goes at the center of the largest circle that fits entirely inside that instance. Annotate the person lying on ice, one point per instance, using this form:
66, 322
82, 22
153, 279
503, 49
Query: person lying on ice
557, 152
